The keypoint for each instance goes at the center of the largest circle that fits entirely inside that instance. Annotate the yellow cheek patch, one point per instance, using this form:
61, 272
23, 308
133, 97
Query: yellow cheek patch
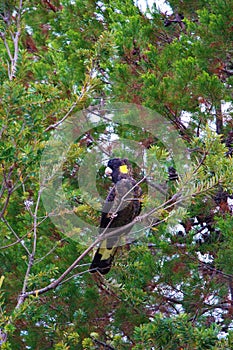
123, 169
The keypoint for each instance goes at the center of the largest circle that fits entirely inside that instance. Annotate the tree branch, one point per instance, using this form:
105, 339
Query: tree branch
14, 243
20, 240
32, 254
16, 37
175, 200
54, 126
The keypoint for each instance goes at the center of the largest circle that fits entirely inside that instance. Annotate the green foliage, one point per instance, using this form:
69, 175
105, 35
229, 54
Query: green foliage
171, 288
174, 333
224, 258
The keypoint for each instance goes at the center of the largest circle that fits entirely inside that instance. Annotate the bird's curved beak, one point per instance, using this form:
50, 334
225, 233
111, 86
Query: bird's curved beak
108, 171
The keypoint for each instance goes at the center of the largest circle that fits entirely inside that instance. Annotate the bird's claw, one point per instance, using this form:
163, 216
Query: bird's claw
112, 215
138, 219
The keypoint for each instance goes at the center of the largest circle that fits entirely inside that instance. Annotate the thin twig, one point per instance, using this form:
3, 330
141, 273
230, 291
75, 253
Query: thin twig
15, 234
175, 200
14, 243
55, 283
15, 38
101, 343
32, 254
54, 126
6, 203
37, 261
77, 274
7, 184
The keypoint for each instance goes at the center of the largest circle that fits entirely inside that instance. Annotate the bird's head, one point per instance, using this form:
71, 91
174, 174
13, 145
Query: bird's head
118, 168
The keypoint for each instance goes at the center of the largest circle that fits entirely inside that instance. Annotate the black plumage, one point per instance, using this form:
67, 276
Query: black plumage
122, 205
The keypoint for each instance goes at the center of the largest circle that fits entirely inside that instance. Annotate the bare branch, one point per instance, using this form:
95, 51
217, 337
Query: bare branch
14, 243
49, 252
176, 199
6, 203
16, 41
54, 126
15, 234
13, 57
7, 185
32, 255
101, 343
55, 283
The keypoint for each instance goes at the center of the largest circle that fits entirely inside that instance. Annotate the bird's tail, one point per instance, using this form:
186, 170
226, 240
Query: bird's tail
104, 256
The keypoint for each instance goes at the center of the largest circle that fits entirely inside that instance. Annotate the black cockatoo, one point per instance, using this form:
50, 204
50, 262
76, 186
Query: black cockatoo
122, 205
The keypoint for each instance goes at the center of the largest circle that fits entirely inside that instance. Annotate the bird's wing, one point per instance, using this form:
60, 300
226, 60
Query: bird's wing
121, 207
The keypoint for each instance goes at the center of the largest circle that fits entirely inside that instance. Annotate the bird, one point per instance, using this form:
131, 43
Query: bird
122, 206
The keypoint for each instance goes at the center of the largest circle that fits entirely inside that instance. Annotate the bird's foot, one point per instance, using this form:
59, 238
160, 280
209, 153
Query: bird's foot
138, 219
112, 215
